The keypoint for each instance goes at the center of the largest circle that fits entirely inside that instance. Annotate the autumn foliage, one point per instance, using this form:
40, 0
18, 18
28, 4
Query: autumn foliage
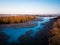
16, 19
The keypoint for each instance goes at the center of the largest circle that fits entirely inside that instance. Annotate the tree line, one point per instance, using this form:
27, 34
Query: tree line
16, 19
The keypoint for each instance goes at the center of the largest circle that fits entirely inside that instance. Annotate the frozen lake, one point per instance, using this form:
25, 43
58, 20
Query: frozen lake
14, 33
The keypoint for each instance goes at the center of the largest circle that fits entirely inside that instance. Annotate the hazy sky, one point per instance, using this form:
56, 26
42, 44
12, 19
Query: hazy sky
29, 6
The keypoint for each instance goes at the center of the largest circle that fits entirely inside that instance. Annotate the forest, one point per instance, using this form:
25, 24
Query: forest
16, 19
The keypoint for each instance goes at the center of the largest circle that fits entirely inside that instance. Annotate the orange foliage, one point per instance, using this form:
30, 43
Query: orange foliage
17, 19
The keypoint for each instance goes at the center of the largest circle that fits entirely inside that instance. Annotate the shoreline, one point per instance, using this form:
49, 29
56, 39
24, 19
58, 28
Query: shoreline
18, 25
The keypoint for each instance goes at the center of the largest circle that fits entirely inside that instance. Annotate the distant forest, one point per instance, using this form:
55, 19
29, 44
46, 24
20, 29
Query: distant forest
16, 19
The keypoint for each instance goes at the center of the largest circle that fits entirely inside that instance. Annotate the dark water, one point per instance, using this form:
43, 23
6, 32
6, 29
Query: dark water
14, 33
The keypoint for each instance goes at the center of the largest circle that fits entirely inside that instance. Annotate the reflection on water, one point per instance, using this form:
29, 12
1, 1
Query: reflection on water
14, 33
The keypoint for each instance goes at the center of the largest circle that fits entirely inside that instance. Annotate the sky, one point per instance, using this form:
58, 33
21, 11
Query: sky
29, 6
